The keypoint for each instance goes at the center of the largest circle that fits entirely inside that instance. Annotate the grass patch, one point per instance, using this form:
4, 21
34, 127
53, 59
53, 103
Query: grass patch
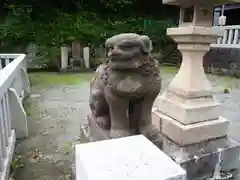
45, 79
48, 78
168, 69
225, 78
27, 106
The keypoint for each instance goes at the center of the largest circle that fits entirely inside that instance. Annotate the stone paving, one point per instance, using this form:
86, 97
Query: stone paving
54, 126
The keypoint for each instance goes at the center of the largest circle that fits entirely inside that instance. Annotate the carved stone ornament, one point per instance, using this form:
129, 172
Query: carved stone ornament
124, 88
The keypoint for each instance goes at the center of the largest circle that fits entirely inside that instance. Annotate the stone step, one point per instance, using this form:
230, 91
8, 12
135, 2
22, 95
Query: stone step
129, 158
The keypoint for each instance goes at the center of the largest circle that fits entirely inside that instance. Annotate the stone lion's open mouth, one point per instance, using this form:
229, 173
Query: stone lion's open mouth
123, 56
131, 64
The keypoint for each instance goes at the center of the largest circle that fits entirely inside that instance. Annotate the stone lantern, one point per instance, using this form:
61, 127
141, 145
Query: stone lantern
188, 104
188, 113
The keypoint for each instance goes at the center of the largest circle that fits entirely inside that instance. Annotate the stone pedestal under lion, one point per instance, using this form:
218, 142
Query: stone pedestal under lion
123, 90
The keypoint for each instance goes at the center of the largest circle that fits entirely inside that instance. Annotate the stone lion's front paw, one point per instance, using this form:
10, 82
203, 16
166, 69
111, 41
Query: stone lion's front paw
120, 133
103, 122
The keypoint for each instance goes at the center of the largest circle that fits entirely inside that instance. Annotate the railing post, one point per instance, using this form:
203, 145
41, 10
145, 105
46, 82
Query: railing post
2, 132
6, 113
18, 114
26, 79
219, 40
230, 36
1, 155
225, 37
5, 123
236, 35
7, 61
25, 83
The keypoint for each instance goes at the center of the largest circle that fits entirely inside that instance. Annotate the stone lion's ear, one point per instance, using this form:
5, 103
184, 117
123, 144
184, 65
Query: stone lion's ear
147, 42
143, 47
150, 46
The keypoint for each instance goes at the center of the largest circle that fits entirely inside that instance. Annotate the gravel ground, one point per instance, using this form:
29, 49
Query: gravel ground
54, 122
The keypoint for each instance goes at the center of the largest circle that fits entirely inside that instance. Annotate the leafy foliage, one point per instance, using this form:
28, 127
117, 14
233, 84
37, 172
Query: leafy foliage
51, 23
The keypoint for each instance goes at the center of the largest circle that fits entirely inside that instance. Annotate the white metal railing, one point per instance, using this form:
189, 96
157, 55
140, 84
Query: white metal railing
14, 86
230, 39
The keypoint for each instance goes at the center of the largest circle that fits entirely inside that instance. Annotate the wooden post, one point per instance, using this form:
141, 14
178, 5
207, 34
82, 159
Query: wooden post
64, 57
86, 56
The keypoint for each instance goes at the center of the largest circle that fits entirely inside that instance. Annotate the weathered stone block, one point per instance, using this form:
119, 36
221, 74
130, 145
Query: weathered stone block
199, 160
193, 133
126, 158
189, 111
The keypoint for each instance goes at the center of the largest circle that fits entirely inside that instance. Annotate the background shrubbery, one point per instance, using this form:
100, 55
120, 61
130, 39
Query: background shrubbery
50, 24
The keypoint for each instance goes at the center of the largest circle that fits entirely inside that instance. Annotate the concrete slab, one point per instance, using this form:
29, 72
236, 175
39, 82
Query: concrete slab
126, 158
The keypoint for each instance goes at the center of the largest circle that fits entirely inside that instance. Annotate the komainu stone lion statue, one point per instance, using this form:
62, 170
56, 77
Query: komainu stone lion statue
124, 88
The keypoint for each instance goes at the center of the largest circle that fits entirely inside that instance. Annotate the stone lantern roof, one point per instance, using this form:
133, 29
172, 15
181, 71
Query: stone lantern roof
199, 2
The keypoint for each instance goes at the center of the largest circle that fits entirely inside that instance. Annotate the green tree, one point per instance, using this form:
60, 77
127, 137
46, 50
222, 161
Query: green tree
53, 23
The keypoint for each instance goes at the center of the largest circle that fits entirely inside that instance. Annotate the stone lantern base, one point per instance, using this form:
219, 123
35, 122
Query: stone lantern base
200, 160
193, 133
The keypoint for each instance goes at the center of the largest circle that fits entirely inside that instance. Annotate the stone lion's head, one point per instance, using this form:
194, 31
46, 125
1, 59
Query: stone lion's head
128, 51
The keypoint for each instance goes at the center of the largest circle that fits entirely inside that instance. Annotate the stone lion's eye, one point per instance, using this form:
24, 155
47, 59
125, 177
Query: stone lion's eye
126, 46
